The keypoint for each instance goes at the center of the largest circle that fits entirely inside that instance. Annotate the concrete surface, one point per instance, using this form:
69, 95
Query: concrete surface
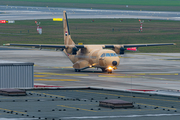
30, 13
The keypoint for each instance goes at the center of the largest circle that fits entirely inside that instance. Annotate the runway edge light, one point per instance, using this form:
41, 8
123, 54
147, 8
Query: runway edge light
57, 19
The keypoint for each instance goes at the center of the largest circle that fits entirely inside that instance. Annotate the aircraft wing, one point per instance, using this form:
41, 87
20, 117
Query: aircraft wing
36, 45
137, 45
84, 46
145, 45
119, 49
44, 45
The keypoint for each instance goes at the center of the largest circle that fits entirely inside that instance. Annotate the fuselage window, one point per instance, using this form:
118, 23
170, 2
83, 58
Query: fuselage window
115, 54
107, 55
112, 54
103, 55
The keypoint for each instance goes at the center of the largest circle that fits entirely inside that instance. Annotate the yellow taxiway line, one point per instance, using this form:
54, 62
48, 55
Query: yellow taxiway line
102, 111
63, 67
157, 55
53, 67
177, 101
77, 108
41, 75
130, 75
13, 111
157, 106
48, 94
119, 76
56, 80
154, 74
170, 59
44, 73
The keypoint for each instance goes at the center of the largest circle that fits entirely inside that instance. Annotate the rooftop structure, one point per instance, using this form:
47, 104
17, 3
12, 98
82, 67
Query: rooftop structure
72, 104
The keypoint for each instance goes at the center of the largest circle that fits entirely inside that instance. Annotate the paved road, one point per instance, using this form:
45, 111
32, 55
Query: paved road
29, 13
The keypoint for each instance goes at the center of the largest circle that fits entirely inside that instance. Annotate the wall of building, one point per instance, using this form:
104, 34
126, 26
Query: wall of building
16, 75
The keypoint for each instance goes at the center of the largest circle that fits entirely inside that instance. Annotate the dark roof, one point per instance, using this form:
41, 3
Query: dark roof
84, 103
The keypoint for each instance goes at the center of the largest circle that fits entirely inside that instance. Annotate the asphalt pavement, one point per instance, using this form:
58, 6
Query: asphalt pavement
31, 13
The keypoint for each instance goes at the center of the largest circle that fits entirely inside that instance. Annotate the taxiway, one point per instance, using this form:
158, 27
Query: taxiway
147, 71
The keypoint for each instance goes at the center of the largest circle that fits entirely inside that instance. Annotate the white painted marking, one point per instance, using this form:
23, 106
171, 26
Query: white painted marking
121, 116
18, 118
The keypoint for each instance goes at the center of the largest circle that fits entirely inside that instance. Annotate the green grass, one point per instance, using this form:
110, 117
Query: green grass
98, 32
114, 2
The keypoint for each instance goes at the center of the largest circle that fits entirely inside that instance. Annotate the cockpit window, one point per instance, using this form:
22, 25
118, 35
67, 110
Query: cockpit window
115, 54
112, 54
103, 55
107, 55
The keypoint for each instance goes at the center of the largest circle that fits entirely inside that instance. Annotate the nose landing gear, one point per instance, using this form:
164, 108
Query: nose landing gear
109, 69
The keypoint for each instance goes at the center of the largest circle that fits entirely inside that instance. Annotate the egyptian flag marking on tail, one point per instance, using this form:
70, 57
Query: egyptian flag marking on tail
66, 33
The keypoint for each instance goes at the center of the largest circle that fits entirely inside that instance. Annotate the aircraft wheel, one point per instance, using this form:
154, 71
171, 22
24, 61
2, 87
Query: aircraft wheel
76, 70
79, 70
104, 70
109, 71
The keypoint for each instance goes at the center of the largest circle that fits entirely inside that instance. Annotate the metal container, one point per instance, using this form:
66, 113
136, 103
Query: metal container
16, 75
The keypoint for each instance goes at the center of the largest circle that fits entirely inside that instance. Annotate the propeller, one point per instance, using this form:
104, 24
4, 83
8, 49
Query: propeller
74, 50
122, 49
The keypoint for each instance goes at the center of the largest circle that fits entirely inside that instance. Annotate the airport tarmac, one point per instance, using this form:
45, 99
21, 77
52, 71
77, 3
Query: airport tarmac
149, 80
31, 13
140, 71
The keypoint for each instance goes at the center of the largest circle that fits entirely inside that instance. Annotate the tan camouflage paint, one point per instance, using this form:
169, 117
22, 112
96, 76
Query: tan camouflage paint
90, 56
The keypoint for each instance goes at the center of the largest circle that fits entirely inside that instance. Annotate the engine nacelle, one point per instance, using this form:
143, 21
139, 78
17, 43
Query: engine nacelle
119, 49
72, 50
122, 49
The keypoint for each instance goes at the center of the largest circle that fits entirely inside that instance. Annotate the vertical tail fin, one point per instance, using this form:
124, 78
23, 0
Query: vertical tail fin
67, 36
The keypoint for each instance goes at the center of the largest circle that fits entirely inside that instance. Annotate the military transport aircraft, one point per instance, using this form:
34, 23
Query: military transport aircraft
87, 56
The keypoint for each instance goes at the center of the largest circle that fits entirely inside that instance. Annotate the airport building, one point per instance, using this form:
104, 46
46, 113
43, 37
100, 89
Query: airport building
16, 75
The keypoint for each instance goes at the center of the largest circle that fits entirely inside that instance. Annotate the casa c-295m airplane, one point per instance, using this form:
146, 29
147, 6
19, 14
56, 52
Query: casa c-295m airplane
87, 56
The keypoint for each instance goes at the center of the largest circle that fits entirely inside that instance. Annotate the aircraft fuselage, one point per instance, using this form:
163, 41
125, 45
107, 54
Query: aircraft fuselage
95, 57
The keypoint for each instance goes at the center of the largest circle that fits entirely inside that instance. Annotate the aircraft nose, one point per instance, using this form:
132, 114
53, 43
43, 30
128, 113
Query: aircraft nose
114, 63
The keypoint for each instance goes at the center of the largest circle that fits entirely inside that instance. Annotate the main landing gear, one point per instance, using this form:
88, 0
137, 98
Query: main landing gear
103, 70
76, 70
